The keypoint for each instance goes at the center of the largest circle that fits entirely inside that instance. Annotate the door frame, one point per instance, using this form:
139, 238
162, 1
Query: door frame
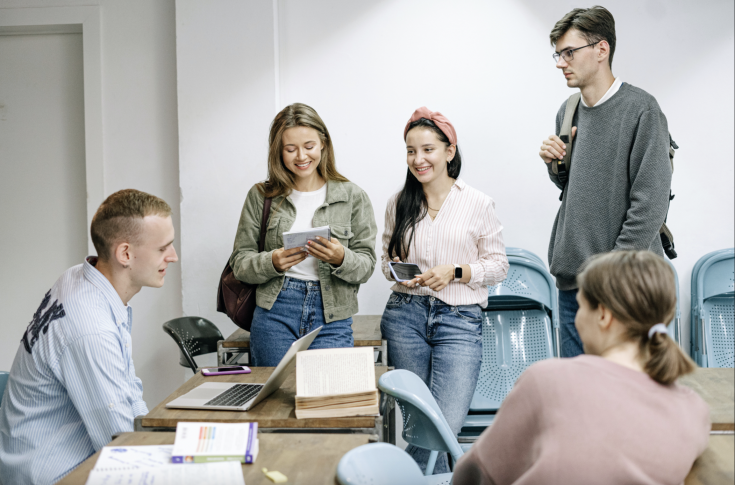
83, 20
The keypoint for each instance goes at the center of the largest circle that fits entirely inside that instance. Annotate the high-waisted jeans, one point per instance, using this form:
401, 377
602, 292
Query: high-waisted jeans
297, 311
442, 344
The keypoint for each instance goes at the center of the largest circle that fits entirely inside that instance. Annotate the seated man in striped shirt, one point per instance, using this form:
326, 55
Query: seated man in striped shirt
72, 385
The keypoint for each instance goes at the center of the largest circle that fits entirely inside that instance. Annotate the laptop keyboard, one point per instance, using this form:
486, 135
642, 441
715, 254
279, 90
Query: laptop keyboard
237, 395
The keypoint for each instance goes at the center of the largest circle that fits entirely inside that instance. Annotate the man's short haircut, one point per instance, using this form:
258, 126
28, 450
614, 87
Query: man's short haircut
120, 218
594, 24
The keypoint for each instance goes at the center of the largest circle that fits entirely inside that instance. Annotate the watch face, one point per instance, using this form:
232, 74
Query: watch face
457, 272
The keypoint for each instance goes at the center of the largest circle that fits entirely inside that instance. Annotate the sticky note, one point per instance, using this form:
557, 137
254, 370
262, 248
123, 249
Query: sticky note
275, 476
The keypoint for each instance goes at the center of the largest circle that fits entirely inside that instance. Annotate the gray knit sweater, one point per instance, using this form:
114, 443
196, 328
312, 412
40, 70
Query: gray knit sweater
618, 190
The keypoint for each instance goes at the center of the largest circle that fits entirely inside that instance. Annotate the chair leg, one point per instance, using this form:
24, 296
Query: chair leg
430, 464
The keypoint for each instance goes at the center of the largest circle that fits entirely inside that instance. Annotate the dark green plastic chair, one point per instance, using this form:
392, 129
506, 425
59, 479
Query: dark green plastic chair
194, 336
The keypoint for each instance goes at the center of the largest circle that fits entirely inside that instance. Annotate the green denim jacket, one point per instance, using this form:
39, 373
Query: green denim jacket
349, 213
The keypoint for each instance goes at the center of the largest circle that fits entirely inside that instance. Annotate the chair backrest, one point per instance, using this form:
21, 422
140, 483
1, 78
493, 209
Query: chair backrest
713, 310
378, 464
528, 285
716, 276
695, 276
423, 422
3, 383
512, 340
194, 336
523, 253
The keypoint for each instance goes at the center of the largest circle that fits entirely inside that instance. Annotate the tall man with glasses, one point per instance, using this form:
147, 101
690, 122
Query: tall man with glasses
617, 190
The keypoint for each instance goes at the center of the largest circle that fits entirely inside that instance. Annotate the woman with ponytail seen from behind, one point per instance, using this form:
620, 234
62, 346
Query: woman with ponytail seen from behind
615, 415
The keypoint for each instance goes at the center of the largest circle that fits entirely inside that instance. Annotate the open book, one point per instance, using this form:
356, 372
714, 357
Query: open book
332, 383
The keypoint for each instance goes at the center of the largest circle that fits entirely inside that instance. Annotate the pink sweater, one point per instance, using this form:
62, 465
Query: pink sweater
587, 420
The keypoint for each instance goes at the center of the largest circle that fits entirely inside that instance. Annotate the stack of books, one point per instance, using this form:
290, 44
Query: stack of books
211, 442
333, 383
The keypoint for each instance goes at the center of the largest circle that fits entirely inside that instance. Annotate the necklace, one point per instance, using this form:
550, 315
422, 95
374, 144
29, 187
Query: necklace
436, 210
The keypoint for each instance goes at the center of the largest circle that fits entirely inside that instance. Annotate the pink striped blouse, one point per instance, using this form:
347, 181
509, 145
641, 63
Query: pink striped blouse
465, 231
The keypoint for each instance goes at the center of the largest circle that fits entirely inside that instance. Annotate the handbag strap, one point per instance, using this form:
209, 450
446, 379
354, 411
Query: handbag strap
263, 223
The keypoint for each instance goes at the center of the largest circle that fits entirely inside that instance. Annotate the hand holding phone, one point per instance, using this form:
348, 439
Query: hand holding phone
220, 371
404, 271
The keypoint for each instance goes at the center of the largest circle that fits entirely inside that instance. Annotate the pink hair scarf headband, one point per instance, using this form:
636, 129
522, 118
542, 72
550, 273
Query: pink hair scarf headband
439, 120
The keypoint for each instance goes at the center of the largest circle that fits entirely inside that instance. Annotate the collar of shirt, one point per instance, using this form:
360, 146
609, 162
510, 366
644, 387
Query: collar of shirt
609, 94
91, 274
459, 183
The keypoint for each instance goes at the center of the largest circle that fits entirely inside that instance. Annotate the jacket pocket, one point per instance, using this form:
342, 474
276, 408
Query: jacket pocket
343, 232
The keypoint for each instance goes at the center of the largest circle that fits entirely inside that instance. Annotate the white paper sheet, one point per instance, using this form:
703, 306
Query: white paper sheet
223, 473
133, 457
300, 238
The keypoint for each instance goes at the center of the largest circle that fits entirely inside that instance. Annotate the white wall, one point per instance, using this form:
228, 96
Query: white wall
41, 98
365, 66
140, 151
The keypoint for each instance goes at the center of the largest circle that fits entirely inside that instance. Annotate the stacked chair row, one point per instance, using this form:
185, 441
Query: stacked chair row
520, 326
713, 310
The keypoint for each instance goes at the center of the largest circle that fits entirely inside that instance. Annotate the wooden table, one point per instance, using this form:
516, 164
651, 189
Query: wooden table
717, 388
303, 458
365, 331
276, 413
716, 465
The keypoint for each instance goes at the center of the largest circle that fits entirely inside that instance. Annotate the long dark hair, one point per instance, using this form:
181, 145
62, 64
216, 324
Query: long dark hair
411, 205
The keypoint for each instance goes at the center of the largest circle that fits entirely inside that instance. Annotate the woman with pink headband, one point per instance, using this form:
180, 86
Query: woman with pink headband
433, 322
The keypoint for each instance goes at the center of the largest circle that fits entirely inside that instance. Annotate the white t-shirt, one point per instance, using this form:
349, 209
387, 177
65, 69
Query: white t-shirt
306, 204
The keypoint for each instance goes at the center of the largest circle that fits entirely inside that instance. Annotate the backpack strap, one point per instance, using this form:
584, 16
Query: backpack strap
560, 168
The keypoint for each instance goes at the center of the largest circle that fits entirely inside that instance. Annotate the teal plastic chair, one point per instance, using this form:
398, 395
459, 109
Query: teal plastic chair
519, 327
713, 310
423, 422
3, 383
524, 253
194, 336
383, 464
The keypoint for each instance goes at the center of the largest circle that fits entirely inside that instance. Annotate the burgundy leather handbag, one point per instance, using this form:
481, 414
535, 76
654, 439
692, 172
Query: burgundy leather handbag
235, 298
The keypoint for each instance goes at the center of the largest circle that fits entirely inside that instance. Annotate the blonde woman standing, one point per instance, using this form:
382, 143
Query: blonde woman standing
615, 415
303, 288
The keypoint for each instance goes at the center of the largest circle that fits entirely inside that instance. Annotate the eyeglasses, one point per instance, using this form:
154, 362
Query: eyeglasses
568, 54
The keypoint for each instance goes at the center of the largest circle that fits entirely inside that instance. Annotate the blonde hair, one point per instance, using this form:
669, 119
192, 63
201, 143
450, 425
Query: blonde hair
280, 180
120, 218
639, 289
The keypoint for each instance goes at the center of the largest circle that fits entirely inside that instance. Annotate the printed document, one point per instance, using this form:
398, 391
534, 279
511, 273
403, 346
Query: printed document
222, 473
300, 238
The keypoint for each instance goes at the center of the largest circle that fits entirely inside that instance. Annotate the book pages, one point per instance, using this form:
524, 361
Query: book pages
328, 372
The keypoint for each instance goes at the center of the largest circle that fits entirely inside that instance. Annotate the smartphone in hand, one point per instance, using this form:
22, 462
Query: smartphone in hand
220, 371
404, 271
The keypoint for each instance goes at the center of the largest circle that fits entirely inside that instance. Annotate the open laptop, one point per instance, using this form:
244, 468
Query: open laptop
232, 396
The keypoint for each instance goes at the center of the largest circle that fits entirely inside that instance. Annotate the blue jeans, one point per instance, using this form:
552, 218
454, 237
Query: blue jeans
297, 311
442, 344
571, 344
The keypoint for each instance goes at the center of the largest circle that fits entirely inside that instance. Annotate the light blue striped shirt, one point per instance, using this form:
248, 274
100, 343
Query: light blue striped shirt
72, 384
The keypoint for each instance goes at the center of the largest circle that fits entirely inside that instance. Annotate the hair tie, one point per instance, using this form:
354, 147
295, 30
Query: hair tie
441, 121
658, 328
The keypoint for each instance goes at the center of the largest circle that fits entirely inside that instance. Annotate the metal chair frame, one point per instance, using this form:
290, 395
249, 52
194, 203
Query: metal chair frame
701, 331
429, 429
